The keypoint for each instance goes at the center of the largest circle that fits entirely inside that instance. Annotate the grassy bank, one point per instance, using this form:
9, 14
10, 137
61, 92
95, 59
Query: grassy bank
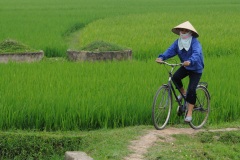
112, 144
99, 144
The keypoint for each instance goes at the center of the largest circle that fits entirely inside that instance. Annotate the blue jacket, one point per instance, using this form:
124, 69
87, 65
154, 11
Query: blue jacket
194, 55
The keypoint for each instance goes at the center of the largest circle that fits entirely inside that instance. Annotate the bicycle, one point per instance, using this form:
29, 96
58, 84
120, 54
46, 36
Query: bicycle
163, 104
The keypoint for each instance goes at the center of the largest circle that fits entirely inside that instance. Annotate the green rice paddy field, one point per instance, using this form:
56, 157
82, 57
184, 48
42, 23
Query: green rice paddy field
56, 94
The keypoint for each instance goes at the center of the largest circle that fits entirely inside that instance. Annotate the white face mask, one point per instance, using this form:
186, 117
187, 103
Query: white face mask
184, 41
186, 35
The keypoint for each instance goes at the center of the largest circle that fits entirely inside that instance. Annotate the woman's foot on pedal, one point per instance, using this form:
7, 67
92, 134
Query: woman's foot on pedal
188, 119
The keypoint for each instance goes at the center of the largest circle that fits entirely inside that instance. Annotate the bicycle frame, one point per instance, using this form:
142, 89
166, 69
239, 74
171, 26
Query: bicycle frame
170, 82
172, 88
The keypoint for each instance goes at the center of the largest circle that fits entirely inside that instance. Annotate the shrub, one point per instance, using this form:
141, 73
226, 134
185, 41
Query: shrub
35, 146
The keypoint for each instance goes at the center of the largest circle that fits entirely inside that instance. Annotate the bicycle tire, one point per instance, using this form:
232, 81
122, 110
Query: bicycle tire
201, 109
162, 106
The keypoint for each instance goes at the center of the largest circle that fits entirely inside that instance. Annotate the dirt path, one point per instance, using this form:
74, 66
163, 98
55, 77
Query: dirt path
139, 147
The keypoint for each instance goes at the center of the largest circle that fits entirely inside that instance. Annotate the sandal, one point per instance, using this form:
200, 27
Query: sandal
188, 119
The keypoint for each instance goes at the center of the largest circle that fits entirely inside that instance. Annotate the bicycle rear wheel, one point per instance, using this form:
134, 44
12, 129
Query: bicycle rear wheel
201, 109
161, 108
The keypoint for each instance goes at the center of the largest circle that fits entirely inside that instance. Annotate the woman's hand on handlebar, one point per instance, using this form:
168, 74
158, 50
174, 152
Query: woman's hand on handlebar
159, 60
186, 63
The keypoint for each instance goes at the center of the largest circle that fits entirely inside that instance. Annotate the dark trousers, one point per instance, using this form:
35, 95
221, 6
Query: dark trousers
194, 79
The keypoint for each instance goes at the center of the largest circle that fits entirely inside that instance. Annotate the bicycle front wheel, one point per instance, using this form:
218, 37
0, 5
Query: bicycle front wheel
201, 109
161, 108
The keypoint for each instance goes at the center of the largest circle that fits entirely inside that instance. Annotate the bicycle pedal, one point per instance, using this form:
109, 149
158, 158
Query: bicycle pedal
180, 111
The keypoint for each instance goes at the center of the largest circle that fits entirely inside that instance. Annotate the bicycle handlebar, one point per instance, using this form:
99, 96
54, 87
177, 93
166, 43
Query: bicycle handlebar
172, 65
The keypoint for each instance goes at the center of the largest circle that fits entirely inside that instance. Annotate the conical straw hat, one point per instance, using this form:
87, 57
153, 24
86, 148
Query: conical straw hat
185, 25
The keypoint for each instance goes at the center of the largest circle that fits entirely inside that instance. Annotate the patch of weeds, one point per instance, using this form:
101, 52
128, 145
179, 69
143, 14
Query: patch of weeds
13, 46
101, 46
224, 137
206, 137
230, 138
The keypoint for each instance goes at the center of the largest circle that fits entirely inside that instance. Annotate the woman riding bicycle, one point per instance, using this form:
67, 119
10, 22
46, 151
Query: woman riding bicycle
189, 50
